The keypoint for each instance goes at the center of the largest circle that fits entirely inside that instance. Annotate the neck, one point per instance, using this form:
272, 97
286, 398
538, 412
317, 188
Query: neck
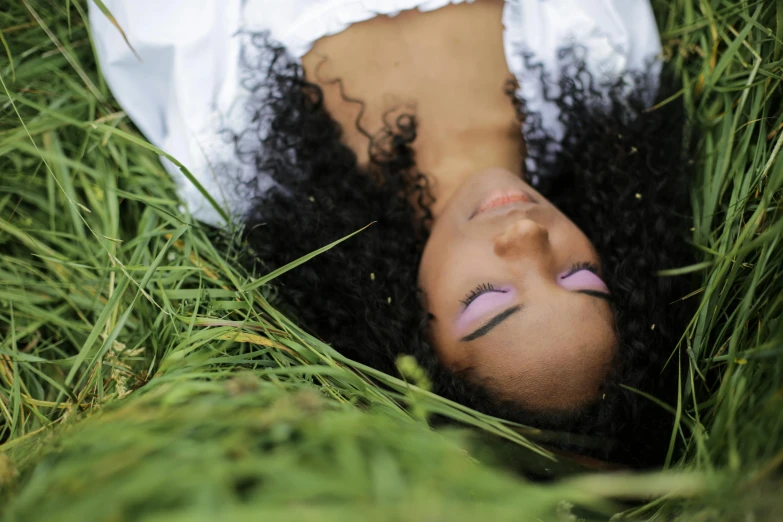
455, 147
447, 67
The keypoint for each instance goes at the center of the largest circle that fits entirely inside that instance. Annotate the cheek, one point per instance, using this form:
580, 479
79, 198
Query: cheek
432, 270
435, 254
451, 265
427, 277
570, 245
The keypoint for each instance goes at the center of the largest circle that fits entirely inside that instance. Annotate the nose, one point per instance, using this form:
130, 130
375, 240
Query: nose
523, 237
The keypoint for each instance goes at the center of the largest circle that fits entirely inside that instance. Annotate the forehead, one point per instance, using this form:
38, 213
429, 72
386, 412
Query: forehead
544, 356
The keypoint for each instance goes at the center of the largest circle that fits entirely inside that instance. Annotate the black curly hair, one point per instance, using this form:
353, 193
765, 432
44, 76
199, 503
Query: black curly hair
619, 175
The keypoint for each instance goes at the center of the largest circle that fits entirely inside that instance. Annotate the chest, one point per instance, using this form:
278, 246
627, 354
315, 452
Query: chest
447, 67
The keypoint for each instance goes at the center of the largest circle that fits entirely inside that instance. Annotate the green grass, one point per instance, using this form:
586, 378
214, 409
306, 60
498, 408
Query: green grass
145, 376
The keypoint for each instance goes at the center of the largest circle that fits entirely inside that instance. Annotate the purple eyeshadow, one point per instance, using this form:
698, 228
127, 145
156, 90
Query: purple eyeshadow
583, 280
492, 301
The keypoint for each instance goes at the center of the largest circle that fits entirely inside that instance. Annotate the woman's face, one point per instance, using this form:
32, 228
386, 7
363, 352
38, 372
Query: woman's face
515, 290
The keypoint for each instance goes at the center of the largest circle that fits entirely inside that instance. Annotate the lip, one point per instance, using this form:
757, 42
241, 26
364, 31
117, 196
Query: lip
499, 199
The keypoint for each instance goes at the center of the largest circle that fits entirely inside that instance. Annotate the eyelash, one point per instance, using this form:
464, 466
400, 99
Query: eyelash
484, 288
582, 265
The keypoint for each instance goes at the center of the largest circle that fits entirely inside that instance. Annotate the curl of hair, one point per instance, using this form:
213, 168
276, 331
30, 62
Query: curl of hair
619, 174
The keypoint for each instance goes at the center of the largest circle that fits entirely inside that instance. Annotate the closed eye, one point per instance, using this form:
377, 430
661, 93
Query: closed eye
496, 320
480, 290
588, 283
583, 277
581, 265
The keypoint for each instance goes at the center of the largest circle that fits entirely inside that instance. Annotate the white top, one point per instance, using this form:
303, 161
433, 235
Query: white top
187, 85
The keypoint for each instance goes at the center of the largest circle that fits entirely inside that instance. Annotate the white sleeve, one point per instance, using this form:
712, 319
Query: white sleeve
186, 75
618, 37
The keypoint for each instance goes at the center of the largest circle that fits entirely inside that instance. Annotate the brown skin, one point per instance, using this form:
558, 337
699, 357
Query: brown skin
554, 352
448, 68
416, 63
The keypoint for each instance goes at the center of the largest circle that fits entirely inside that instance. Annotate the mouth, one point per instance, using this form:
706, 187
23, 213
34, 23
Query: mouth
502, 199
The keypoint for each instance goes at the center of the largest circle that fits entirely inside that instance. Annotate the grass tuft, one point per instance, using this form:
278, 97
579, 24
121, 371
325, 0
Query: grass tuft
145, 376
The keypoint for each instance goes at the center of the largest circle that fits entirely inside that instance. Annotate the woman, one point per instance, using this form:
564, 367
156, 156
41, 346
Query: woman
409, 116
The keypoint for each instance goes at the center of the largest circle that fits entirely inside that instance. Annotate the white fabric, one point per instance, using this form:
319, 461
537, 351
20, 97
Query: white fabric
187, 86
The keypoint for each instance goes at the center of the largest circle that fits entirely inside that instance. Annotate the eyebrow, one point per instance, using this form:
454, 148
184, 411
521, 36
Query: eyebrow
508, 312
484, 330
